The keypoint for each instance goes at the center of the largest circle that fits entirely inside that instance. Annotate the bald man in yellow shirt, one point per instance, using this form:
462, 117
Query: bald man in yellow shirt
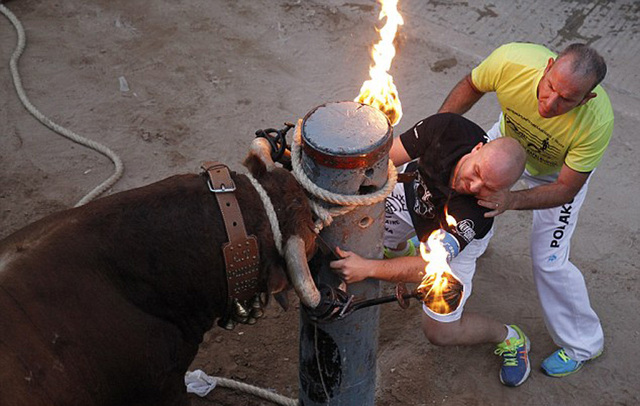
554, 106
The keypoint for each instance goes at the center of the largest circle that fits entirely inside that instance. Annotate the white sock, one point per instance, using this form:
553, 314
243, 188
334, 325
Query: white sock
511, 333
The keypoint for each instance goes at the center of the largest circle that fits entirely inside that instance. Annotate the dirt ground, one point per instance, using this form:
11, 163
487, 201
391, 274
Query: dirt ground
203, 76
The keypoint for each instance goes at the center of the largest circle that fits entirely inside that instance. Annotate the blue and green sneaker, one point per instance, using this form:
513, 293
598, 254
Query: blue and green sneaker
559, 364
515, 359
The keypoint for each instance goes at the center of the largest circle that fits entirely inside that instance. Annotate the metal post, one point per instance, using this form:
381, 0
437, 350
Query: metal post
345, 150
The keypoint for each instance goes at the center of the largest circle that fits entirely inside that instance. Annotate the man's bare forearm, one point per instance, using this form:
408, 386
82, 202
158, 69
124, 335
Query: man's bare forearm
555, 194
461, 98
541, 197
403, 269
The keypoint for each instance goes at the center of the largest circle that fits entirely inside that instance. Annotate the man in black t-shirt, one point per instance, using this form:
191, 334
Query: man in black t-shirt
439, 142
455, 167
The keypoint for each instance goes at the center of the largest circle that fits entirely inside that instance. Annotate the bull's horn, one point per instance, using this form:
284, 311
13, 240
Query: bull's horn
299, 273
260, 147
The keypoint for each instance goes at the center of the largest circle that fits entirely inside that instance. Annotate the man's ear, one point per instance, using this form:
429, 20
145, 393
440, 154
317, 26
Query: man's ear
588, 97
477, 147
550, 63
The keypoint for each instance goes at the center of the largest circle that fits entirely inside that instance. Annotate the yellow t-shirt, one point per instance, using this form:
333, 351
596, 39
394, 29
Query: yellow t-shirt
577, 138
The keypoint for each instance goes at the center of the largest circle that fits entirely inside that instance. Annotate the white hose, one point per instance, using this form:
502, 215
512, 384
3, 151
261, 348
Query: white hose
13, 64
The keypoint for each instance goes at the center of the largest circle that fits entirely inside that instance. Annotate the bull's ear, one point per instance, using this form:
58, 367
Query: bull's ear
259, 159
255, 165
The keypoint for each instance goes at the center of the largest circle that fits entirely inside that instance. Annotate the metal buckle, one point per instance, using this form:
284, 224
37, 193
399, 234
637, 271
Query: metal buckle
222, 189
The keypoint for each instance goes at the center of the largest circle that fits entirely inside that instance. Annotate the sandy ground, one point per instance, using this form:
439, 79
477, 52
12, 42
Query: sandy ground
204, 75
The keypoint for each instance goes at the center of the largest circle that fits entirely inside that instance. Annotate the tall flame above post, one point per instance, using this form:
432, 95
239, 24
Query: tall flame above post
380, 91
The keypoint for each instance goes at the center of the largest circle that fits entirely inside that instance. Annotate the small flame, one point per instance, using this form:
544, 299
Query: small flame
379, 91
451, 221
441, 291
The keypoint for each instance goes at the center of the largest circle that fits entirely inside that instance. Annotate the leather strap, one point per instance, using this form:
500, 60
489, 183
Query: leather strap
404, 177
241, 255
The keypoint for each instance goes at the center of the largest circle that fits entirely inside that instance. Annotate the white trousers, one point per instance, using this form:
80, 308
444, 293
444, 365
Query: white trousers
399, 228
562, 291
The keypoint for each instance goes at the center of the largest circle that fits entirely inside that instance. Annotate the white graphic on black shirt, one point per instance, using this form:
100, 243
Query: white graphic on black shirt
465, 230
423, 206
415, 130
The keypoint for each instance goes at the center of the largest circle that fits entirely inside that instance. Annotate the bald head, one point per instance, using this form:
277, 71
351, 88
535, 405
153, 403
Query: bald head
489, 167
503, 161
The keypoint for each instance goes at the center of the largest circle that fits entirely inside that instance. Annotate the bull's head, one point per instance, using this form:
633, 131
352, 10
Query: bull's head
295, 220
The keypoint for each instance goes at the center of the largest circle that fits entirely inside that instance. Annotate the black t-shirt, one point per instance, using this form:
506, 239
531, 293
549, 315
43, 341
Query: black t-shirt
438, 142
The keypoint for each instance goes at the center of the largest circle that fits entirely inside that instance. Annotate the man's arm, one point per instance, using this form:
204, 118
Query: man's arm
461, 98
554, 194
398, 153
353, 268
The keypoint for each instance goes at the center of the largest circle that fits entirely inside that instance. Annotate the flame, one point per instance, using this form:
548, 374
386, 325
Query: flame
379, 91
441, 291
451, 221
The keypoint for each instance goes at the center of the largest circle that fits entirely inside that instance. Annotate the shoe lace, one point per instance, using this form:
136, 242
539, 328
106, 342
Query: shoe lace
563, 355
508, 350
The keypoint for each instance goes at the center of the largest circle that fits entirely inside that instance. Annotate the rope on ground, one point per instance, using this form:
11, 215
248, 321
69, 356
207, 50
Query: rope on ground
17, 81
348, 202
254, 390
201, 384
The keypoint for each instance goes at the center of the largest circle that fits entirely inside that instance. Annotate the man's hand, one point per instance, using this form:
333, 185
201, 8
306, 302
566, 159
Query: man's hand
498, 202
554, 194
352, 267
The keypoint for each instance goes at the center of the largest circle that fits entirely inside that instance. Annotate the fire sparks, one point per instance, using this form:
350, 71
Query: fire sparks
379, 91
441, 291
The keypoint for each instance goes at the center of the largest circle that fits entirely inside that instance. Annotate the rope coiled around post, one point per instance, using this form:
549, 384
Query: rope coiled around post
345, 203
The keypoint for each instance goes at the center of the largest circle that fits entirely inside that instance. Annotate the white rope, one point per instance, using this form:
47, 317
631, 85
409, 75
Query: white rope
349, 202
13, 64
271, 212
201, 384
326, 215
254, 390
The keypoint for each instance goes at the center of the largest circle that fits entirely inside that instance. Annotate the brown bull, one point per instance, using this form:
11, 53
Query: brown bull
107, 303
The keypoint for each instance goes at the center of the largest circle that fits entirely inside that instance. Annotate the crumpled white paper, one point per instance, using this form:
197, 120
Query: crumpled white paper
199, 382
